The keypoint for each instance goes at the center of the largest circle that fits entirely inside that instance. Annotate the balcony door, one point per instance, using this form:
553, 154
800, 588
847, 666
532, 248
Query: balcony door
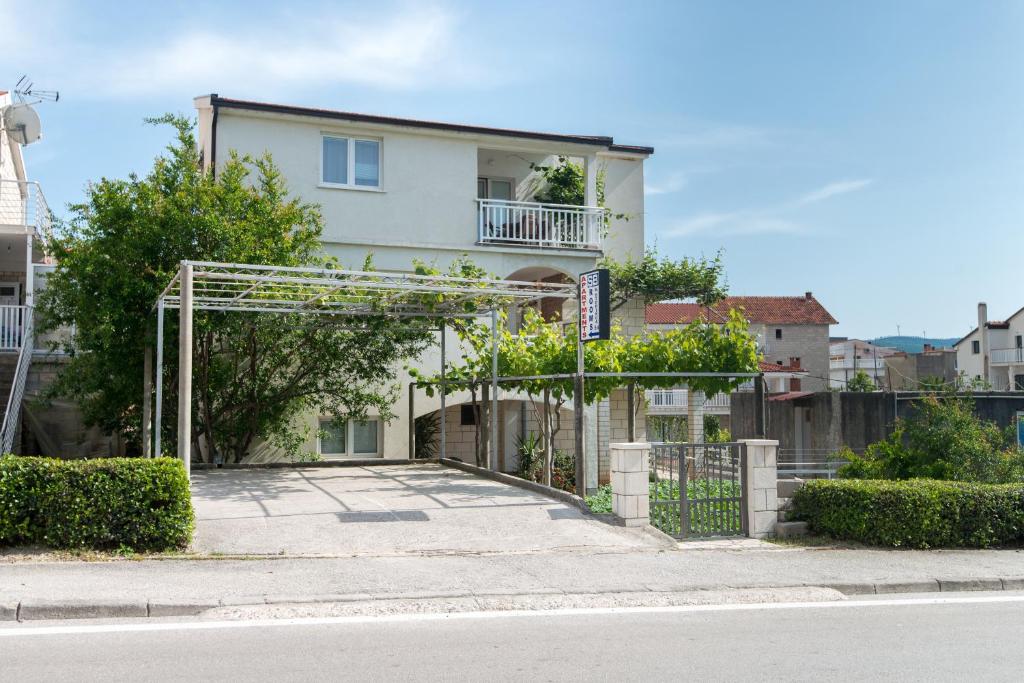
494, 188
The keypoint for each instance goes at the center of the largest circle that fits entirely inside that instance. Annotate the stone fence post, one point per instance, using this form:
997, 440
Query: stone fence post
760, 487
631, 493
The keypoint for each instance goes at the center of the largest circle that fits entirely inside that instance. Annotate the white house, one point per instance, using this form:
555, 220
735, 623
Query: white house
407, 189
994, 351
847, 357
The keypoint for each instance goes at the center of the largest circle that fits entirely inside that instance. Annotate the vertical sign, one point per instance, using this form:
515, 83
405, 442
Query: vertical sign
1020, 428
593, 295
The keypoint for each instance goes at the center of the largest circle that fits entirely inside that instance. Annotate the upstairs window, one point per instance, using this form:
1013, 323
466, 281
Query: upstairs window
778, 333
975, 346
350, 162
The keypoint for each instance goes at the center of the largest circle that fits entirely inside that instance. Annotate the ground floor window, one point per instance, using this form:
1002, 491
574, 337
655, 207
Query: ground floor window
340, 438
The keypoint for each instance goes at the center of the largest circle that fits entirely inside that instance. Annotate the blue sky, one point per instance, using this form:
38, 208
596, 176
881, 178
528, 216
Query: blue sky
869, 151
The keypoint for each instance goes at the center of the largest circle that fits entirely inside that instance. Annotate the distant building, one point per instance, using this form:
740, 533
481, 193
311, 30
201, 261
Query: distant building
994, 351
792, 331
913, 371
847, 357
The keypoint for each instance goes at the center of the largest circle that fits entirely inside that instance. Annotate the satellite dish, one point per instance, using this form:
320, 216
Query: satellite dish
22, 123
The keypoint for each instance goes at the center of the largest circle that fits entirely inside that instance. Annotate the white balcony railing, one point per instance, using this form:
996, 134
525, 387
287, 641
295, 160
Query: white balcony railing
676, 401
1008, 356
539, 225
865, 364
22, 205
12, 327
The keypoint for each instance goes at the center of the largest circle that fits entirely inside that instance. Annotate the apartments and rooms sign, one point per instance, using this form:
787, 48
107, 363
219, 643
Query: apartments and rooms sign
594, 314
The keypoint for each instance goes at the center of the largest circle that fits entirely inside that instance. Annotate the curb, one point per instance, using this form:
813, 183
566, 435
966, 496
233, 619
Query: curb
39, 609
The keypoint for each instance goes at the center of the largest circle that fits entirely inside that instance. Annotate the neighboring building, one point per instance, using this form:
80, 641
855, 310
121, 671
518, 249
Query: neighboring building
993, 352
847, 357
408, 190
792, 331
909, 371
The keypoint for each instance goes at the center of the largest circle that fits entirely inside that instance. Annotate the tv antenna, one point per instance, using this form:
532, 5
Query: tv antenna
26, 92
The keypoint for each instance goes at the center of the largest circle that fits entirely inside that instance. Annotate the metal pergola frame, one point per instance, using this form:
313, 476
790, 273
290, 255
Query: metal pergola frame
240, 287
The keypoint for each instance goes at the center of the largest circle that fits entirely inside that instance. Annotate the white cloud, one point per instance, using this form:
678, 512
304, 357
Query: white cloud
414, 47
833, 189
734, 223
672, 183
762, 221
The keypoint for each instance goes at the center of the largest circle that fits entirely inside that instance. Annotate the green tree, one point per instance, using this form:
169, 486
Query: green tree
654, 278
254, 374
860, 382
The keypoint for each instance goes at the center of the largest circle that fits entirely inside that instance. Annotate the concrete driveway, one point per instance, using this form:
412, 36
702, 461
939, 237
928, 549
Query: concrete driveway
387, 510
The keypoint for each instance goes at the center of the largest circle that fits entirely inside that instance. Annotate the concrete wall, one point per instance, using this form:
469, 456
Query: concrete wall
809, 343
852, 419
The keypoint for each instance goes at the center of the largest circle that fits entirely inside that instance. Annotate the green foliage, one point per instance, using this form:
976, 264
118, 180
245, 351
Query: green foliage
253, 374
917, 513
860, 382
531, 456
564, 183
713, 430
563, 474
667, 428
601, 501
654, 278
941, 439
427, 428
126, 504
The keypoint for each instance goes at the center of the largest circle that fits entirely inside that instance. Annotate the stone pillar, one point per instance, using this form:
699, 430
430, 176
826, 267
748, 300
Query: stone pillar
760, 487
631, 482
695, 415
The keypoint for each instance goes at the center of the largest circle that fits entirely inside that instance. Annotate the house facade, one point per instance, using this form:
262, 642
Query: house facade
792, 332
993, 352
408, 190
847, 357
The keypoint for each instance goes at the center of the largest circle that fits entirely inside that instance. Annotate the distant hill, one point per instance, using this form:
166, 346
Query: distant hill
914, 344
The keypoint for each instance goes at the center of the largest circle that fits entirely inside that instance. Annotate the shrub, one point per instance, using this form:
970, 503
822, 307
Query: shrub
917, 513
109, 503
941, 439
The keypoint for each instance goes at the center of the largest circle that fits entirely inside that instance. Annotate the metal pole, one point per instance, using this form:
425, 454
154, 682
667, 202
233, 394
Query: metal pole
631, 414
493, 454
30, 280
185, 369
412, 420
157, 427
147, 401
759, 407
444, 388
581, 464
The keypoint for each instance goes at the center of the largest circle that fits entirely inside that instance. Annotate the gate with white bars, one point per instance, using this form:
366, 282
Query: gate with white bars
697, 489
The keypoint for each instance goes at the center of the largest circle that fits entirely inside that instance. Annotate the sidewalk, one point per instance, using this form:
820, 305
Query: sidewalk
50, 590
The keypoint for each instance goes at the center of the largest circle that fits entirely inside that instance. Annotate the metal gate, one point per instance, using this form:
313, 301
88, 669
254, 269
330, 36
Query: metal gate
697, 489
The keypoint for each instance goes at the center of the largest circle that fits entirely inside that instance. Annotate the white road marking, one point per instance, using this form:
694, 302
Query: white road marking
25, 630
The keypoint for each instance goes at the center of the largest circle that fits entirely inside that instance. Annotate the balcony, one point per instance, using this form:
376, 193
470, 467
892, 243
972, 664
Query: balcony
23, 208
675, 402
1008, 356
529, 224
12, 327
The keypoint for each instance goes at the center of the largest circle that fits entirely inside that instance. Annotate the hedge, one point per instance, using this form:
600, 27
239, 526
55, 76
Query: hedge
109, 503
914, 513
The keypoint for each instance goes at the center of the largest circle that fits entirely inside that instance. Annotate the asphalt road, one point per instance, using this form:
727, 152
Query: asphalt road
977, 638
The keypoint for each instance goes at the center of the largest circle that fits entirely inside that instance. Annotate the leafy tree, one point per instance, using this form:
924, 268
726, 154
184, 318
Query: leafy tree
654, 278
860, 382
941, 439
563, 183
254, 374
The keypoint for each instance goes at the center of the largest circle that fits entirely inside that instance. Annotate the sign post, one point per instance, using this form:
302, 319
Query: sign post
594, 325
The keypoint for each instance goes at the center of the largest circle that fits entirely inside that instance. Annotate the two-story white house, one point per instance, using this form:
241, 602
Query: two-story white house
849, 357
407, 189
994, 351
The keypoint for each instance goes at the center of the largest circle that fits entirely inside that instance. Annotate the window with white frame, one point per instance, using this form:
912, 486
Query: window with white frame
350, 162
340, 438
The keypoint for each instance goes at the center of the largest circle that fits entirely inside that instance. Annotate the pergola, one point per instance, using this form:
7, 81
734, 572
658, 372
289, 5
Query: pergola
424, 300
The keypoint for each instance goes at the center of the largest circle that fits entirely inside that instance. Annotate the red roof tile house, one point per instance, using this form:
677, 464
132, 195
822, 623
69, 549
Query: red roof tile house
792, 331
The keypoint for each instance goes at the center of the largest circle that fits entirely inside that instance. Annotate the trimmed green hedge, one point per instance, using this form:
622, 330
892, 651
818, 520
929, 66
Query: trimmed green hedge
915, 513
108, 503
